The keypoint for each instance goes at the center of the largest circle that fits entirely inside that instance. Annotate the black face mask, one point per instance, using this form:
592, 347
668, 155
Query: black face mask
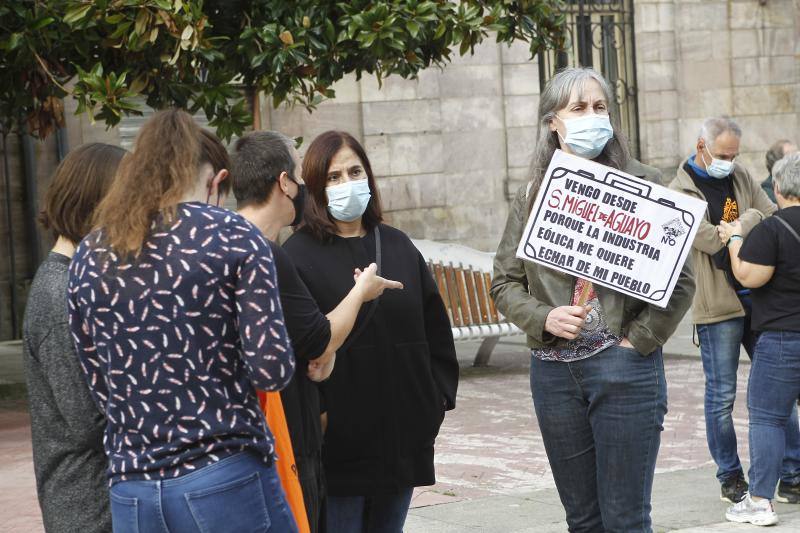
299, 202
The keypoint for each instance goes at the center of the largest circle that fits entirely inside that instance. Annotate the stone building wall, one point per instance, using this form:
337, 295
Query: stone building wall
712, 57
446, 148
451, 147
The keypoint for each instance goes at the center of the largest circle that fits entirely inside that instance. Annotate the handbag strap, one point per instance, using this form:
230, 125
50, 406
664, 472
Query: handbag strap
354, 335
787, 226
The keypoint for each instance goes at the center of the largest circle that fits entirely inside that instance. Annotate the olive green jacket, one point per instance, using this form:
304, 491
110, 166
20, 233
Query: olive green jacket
525, 292
715, 299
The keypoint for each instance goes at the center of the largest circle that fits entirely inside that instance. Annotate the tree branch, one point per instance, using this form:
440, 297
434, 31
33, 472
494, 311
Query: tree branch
47, 71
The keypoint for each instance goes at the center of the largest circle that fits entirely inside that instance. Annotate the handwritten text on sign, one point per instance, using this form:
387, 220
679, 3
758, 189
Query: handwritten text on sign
617, 230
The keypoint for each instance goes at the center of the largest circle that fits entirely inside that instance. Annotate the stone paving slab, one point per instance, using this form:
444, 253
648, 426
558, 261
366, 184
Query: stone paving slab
19, 508
686, 501
490, 445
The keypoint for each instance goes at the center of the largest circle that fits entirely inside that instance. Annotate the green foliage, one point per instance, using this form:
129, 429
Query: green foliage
200, 54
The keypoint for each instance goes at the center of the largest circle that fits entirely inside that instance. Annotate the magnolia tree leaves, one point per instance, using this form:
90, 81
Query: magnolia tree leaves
200, 55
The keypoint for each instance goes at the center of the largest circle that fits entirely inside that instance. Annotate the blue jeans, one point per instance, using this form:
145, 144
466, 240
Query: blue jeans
239, 493
601, 420
368, 514
719, 350
771, 397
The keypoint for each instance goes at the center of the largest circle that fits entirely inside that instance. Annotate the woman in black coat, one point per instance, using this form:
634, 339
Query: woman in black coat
397, 373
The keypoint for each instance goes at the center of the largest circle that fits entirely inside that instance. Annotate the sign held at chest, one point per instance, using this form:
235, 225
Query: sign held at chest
614, 229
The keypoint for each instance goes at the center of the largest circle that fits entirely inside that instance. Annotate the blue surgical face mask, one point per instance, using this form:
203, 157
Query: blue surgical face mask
718, 168
587, 136
348, 201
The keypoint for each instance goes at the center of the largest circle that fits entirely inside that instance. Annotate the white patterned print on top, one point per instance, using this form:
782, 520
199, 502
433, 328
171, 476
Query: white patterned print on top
174, 342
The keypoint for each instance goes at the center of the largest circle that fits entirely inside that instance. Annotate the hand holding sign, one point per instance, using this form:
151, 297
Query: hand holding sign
566, 321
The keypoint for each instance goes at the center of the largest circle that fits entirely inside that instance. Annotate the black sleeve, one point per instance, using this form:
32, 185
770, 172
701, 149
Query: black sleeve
761, 245
309, 329
444, 363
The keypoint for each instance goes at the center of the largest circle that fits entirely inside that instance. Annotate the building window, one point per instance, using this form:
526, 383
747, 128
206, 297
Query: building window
600, 34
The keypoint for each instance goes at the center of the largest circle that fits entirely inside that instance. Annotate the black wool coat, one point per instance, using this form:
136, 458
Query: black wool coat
390, 387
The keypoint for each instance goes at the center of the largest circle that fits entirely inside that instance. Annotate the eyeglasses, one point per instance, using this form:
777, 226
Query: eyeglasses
723, 158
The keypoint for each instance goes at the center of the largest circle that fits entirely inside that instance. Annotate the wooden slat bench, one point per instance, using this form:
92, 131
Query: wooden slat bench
463, 276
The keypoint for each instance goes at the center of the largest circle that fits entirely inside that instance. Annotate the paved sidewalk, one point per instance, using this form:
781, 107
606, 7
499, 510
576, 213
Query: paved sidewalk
682, 501
490, 445
491, 466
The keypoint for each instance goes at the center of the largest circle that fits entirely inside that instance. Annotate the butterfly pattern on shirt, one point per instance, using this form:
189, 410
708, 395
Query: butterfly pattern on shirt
173, 343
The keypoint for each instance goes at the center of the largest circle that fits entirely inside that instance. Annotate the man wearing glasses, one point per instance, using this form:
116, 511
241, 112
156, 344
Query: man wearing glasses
721, 306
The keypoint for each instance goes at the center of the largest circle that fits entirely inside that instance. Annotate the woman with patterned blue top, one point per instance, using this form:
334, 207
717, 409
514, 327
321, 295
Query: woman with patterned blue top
175, 313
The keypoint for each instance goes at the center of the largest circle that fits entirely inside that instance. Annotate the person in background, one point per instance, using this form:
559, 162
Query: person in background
267, 185
175, 313
776, 152
721, 307
768, 261
597, 373
397, 372
66, 425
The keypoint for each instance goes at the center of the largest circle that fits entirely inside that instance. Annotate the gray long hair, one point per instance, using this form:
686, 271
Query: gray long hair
555, 97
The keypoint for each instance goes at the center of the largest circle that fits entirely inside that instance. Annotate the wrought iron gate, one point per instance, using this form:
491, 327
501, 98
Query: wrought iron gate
600, 34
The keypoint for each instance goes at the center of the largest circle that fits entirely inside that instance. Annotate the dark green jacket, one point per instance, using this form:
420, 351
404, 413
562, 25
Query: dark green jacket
525, 292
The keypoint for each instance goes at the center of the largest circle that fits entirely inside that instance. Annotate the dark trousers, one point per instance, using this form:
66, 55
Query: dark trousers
368, 514
601, 420
312, 482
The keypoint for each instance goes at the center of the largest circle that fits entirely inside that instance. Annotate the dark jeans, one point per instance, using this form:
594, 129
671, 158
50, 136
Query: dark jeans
368, 514
239, 493
771, 396
601, 421
719, 350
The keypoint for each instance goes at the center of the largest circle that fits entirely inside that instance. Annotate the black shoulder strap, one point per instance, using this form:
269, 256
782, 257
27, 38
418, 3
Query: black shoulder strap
787, 226
373, 305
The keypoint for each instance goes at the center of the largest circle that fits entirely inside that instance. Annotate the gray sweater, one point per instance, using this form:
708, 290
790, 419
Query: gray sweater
66, 425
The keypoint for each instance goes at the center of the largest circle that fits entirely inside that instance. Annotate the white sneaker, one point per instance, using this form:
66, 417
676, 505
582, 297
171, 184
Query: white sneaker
758, 513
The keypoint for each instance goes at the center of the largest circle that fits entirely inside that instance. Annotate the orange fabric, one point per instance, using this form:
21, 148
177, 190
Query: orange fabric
272, 406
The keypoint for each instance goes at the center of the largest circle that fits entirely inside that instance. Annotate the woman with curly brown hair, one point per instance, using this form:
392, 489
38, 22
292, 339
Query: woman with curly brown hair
175, 313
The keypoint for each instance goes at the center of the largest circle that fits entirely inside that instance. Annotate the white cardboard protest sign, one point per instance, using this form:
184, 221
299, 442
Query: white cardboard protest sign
614, 229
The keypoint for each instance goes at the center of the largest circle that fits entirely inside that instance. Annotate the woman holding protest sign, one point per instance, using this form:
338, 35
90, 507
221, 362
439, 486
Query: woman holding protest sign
597, 375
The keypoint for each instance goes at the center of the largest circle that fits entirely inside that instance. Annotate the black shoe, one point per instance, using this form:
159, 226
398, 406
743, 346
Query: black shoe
734, 489
788, 493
